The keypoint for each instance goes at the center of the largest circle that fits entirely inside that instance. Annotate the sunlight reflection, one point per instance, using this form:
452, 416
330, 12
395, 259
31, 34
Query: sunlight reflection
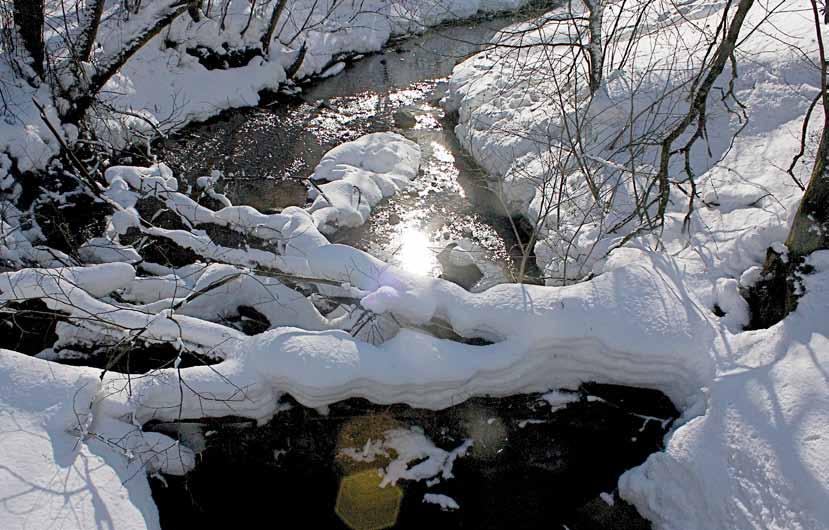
415, 253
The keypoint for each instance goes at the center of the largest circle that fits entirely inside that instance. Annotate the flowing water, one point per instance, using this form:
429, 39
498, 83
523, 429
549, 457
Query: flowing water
448, 202
530, 465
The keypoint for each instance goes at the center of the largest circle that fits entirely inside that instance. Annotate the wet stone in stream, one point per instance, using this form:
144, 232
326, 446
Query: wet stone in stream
530, 461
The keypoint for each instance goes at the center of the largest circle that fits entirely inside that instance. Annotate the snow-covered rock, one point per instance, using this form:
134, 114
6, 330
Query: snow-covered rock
359, 174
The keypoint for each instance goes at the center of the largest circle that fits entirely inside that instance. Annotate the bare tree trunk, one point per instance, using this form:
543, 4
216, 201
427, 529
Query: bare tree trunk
86, 39
195, 10
250, 17
275, 16
291, 71
810, 229
84, 92
29, 19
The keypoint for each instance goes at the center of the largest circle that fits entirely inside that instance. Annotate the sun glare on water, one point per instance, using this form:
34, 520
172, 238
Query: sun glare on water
415, 253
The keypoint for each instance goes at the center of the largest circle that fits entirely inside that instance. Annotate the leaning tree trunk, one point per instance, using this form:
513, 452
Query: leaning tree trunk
275, 15
29, 18
810, 229
776, 294
85, 90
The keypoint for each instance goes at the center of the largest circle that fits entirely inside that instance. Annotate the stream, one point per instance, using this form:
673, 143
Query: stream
532, 461
396, 90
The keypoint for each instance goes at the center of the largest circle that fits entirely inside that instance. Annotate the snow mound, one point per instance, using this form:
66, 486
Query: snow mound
759, 456
65, 466
544, 337
358, 175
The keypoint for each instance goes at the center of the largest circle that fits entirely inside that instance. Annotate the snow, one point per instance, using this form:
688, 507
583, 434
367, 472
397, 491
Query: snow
433, 464
516, 131
558, 399
758, 456
444, 501
322, 367
163, 87
750, 450
637, 298
65, 466
358, 175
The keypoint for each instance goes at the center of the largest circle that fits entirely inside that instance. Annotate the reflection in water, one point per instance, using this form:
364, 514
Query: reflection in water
415, 252
531, 465
488, 430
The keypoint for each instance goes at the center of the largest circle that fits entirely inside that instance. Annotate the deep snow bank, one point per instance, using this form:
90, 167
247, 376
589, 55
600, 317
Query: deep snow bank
513, 122
64, 465
759, 456
752, 453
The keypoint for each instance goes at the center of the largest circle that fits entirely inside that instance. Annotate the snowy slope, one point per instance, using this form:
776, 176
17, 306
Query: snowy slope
515, 129
61, 465
753, 452
759, 455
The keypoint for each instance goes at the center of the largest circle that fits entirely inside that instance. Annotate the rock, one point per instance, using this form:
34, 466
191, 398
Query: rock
210, 201
28, 326
405, 118
439, 92
266, 194
66, 224
459, 266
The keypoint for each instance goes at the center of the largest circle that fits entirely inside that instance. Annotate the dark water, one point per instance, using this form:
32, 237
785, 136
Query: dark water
529, 466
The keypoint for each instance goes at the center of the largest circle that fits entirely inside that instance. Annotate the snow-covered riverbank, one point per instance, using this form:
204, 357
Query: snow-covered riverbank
752, 453
750, 450
165, 85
